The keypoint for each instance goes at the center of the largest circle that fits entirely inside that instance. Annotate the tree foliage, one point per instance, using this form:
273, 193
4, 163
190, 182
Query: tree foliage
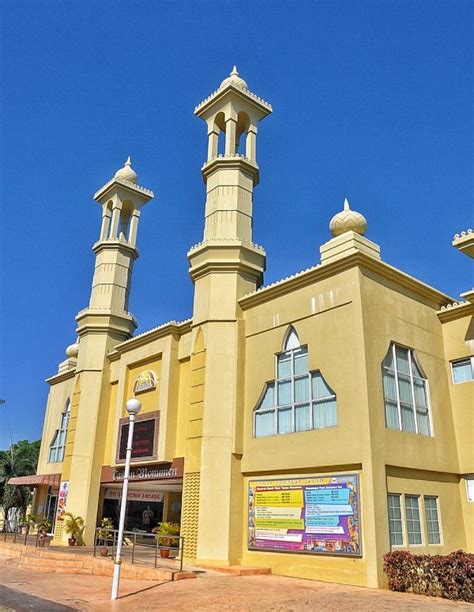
21, 459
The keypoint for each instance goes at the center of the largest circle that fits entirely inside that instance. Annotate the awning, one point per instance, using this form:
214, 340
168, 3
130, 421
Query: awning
36, 479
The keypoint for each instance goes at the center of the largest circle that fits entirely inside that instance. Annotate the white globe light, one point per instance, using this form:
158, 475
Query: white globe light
133, 406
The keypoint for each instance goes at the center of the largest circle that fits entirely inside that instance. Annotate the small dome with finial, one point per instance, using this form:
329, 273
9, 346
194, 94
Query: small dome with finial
348, 220
235, 79
72, 350
127, 173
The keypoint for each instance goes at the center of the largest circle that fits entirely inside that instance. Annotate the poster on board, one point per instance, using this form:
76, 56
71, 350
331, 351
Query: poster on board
317, 514
62, 500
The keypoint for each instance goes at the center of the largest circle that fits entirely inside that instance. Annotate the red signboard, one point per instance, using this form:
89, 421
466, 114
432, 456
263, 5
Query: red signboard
143, 439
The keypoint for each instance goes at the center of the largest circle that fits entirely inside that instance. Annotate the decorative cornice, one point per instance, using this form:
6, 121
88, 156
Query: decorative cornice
227, 256
58, 378
127, 185
236, 161
166, 329
246, 93
464, 242
117, 243
114, 312
117, 323
455, 310
320, 272
464, 234
227, 243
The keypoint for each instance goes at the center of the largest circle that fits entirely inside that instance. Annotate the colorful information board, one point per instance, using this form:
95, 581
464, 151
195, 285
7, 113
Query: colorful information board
310, 515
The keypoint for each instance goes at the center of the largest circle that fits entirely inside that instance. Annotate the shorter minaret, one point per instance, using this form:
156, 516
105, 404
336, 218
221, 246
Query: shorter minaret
121, 200
348, 228
100, 327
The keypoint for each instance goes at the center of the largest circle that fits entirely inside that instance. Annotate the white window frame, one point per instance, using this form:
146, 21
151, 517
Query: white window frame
455, 362
402, 519
469, 480
411, 358
420, 514
423, 522
291, 346
56, 450
438, 517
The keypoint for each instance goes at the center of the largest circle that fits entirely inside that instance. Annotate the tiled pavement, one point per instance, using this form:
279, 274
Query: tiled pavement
212, 592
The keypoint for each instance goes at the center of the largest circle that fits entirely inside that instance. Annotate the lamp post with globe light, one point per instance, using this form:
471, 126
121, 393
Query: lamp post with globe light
133, 407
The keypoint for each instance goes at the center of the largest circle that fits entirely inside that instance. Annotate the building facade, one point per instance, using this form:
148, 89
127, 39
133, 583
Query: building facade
309, 426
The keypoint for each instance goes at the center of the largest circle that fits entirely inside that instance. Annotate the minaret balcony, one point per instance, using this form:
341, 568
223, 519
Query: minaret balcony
119, 244
231, 162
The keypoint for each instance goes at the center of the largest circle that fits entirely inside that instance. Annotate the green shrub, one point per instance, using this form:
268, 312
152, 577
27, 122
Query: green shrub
449, 576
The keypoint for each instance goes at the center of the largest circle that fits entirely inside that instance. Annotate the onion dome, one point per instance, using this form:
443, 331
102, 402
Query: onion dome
348, 221
72, 350
235, 79
127, 173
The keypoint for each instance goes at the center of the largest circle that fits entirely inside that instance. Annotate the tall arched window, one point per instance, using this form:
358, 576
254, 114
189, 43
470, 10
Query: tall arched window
297, 400
405, 392
58, 443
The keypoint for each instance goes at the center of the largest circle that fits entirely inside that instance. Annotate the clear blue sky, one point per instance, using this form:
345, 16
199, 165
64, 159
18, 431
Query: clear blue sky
372, 100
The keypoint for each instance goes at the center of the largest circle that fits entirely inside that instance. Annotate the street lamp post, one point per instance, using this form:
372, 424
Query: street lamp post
133, 408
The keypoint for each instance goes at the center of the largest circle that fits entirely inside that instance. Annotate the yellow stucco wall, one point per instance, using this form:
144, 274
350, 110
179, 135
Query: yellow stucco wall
58, 395
347, 321
446, 488
149, 399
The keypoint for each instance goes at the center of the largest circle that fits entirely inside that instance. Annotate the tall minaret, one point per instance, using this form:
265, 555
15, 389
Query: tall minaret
225, 266
102, 325
231, 114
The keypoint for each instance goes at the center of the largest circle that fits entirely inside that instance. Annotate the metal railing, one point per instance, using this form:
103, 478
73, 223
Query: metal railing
141, 547
28, 535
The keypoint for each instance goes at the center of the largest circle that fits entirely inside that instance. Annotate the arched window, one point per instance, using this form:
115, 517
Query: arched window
58, 443
297, 400
405, 390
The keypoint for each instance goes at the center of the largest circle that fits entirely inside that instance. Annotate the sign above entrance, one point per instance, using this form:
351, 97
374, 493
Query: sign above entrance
145, 496
148, 473
145, 381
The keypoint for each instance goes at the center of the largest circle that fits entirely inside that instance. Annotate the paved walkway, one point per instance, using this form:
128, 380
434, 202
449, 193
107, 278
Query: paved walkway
12, 600
212, 592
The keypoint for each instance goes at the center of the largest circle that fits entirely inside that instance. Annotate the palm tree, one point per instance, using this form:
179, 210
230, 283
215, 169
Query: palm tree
20, 459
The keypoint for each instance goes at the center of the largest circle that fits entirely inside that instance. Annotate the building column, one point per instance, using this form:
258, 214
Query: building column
230, 136
251, 144
104, 230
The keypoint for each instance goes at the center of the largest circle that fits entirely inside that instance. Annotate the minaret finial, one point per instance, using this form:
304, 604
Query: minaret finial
234, 78
348, 221
127, 173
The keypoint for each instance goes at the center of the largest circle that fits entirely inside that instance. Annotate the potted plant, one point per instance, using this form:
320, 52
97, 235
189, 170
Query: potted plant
30, 523
43, 528
104, 534
25, 524
74, 527
164, 543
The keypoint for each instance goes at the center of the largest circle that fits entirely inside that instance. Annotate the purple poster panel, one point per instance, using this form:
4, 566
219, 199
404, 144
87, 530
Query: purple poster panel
317, 514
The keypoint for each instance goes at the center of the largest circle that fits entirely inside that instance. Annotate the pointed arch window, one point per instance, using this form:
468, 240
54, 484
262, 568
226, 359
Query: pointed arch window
58, 443
297, 400
405, 392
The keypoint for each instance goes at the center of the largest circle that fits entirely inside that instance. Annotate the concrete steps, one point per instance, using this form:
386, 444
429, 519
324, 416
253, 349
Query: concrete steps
45, 560
238, 570
52, 564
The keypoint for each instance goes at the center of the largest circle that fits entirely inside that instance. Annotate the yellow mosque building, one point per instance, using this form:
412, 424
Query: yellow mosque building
310, 425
